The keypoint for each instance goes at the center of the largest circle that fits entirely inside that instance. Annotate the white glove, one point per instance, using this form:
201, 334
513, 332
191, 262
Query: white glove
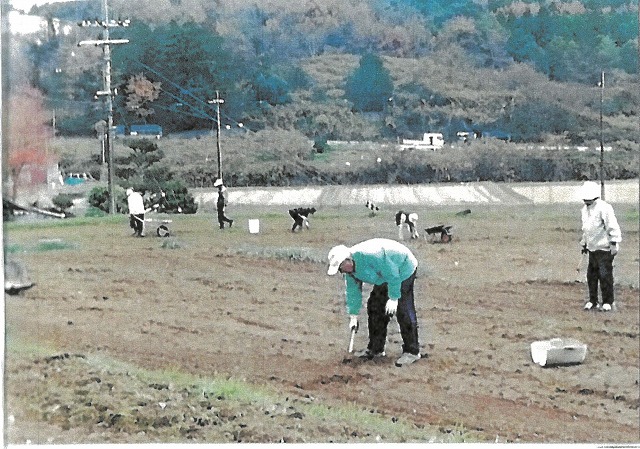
613, 247
353, 322
391, 307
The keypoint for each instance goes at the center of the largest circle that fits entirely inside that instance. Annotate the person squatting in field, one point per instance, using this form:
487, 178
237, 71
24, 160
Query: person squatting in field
391, 268
136, 212
601, 237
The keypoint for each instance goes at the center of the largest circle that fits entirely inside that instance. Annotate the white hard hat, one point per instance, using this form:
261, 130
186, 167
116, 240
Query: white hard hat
129, 191
217, 182
336, 256
590, 190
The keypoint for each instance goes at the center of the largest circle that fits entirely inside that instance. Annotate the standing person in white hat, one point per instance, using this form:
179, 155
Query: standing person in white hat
601, 237
136, 212
221, 203
391, 268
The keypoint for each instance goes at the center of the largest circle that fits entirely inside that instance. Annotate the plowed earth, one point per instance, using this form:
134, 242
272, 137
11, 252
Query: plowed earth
215, 303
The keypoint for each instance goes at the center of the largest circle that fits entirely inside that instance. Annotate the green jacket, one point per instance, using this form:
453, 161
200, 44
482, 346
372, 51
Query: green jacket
378, 261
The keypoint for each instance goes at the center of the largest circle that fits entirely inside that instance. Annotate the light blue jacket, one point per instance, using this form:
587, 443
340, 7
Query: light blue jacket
378, 261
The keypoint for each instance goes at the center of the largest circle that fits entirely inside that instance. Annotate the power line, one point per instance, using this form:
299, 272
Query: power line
107, 92
180, 89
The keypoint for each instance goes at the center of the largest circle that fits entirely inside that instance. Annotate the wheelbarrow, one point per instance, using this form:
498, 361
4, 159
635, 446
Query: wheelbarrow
161, 225
445, 233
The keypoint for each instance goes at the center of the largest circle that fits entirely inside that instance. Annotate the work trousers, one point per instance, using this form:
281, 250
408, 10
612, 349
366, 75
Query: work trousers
600, 272
298, 220
406, 316
222, 219
136, 221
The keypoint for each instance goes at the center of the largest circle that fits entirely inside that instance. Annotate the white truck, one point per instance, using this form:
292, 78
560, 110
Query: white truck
430, 141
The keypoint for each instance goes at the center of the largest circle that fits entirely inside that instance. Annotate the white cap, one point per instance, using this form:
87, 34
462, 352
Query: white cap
336, 256
589, 190
129, 191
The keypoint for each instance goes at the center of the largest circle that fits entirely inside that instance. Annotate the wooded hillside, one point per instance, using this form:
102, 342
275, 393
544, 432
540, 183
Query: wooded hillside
525, 69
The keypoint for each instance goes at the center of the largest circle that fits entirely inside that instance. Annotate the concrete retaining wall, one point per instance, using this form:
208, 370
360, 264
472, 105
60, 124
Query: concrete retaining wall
615, 192
434, 194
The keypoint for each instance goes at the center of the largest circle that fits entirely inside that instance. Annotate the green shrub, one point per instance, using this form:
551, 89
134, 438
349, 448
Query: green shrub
99, 198
177, 198
63, 201
320, 145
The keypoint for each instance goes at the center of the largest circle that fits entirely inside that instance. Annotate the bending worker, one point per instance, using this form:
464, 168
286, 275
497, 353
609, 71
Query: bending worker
601, 237
391, 268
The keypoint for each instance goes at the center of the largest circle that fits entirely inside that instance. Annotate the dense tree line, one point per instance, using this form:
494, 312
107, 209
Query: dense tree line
492, 163
352, 70
287, 158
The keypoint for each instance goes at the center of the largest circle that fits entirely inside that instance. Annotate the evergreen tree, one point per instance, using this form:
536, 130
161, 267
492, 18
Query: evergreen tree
370, 86
272, 89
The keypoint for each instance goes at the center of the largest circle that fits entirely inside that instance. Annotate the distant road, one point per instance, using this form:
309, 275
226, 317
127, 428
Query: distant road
423, 194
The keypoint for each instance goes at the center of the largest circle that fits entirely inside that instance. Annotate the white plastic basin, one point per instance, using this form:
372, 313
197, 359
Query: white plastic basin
558, 351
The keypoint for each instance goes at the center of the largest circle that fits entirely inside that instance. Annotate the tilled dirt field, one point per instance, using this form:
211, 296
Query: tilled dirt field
215, 303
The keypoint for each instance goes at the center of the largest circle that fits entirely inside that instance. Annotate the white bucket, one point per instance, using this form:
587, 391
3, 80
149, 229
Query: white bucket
558, 351
254, 226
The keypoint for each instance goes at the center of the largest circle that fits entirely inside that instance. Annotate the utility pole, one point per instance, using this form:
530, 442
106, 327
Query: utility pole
217, 102
107, 92
601, 83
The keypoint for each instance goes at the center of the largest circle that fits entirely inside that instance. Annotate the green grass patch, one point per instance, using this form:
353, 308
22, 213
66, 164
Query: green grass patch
172, 406
14, 248
632, 215
42, 246
321, 157
171, 244
53, 245
93, 212
65, 223
270, 215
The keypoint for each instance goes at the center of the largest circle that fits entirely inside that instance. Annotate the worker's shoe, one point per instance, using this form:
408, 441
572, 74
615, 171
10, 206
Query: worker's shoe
368, 354
407, 359
606, 307
588, 305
